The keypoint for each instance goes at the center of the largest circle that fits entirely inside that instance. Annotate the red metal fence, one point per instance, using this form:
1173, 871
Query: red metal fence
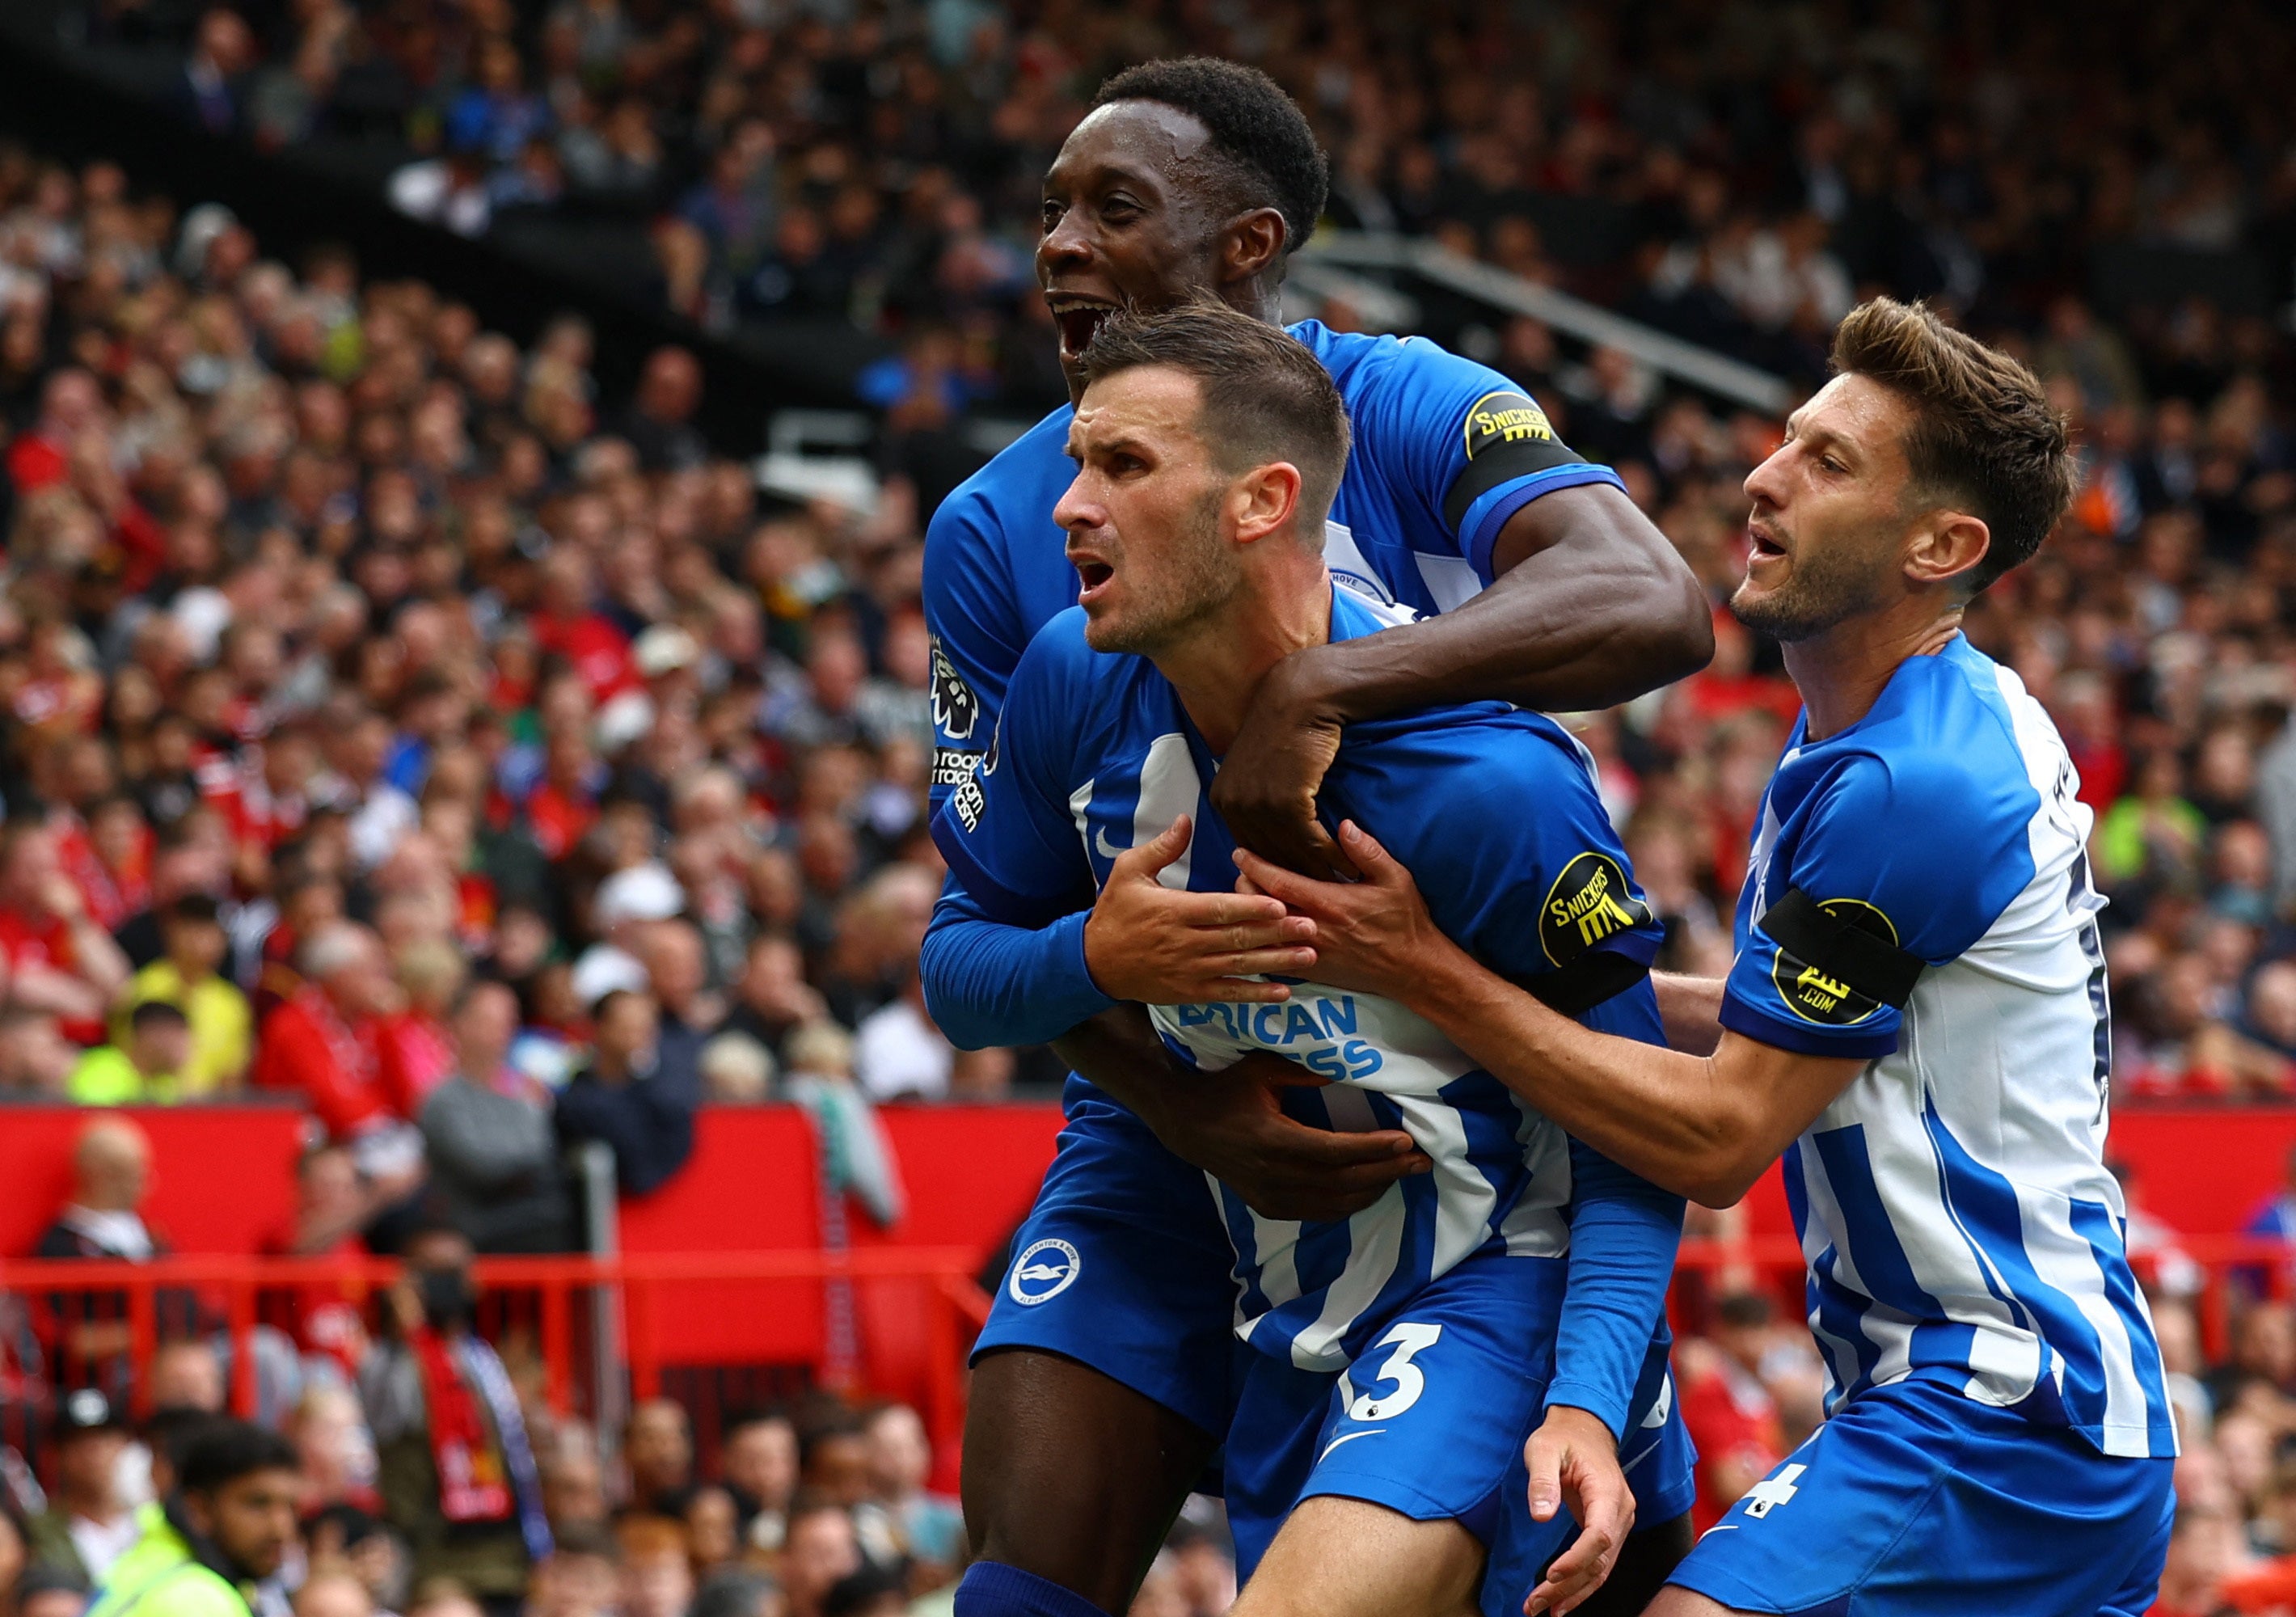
547, 1295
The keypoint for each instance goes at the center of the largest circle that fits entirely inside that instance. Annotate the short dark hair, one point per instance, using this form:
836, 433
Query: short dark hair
1984, 435
860, 1591
198, 908
1266, 397
1259, 136
154, 1013
229, 1451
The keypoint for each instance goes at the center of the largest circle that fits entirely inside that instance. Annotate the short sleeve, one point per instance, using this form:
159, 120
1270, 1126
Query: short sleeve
1463, 446
1006, 829
1895, 864
972, 613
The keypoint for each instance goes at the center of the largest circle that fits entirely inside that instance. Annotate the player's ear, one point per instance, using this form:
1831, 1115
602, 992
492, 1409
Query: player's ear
1255, 242
1265, 499
1948, 544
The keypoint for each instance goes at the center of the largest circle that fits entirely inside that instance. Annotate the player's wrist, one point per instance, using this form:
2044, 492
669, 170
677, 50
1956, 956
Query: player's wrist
1581, 1425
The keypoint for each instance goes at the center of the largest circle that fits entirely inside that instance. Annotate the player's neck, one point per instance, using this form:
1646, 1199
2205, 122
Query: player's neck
1217, 669
1841, 671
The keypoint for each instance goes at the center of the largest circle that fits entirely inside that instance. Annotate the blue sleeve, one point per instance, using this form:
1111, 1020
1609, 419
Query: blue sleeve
988, 983
1623, 1235
972, 615
1917, 851
1003, 956
1462, 446
1522, 867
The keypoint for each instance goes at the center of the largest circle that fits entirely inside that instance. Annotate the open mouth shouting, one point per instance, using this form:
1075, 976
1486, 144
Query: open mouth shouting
1763, 544
1093, 574
1078, 318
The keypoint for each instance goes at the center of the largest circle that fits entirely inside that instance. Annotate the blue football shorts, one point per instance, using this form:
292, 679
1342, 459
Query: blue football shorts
1124, 1265
1430, 1422
1916, 1501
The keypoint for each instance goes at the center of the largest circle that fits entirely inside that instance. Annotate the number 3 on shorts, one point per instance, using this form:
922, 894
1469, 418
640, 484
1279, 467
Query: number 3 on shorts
1407, 1339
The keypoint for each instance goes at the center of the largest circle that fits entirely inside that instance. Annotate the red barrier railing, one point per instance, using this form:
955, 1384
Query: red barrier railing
2232, 1266
235, 1286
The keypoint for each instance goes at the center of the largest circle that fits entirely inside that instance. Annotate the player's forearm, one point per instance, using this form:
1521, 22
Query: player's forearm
1691, 1008
1660, 1113
1117, 1050
1596, 617
1624, 1231
988, 983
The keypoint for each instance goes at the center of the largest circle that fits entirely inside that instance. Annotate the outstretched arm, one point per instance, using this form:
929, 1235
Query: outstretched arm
1703, 1127
1592, 606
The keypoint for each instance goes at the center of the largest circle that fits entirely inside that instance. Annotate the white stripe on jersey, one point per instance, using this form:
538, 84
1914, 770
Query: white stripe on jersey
1168, 788
1979, 1143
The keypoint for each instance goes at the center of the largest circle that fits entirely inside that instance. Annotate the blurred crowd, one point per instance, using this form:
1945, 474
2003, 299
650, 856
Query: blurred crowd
1728, 170
430, 1477
389, 721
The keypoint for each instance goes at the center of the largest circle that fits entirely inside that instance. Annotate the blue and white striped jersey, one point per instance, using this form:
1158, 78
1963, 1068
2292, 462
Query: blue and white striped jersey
1496, 812
1445, 452
1953, 1202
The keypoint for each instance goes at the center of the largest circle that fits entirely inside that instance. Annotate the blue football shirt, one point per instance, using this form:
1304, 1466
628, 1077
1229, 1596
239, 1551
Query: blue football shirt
1446, 450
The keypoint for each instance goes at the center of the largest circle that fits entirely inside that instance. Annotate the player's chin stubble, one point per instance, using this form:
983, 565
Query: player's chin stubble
1826, 586
1192, 581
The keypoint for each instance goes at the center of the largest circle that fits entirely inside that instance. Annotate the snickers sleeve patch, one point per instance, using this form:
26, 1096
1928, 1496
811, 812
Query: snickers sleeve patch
1506, 437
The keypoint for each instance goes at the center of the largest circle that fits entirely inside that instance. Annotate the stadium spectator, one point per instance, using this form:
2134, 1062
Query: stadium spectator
59, 959
188, 975
1728, 1411
186, 1375
324, 1043
487, 1135
657, 1578
87, 1525
819, 1552
149, 1067
457, 1477
758, 1460
629, 1097
712, 1524
111, 1166
926, 1525
229, 1522
658, 1448
580, 1577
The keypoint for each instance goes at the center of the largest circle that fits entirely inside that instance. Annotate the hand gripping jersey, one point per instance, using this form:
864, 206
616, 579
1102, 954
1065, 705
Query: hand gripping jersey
1919, 896
1496, 811
1446, 450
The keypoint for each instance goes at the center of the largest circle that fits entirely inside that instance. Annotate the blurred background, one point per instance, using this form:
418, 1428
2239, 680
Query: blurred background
466, 467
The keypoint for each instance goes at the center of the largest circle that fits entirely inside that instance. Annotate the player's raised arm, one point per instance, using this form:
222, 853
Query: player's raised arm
1585, 602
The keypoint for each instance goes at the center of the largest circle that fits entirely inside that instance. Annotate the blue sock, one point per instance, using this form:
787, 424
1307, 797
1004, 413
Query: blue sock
991, 1588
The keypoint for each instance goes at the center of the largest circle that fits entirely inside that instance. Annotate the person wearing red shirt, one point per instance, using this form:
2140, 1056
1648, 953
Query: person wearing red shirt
569, 625
70, 405
59, 960
1730, 1414
324, 1043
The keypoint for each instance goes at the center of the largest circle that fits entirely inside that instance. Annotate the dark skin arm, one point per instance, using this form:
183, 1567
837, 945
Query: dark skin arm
1593, 606
1229, 1123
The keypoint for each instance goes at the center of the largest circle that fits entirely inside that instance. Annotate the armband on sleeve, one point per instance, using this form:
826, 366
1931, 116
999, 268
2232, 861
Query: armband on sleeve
1838, 961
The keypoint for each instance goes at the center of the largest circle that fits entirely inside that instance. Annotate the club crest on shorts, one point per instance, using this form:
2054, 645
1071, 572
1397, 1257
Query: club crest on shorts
1043, 1272
1813, 996
1590, 902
